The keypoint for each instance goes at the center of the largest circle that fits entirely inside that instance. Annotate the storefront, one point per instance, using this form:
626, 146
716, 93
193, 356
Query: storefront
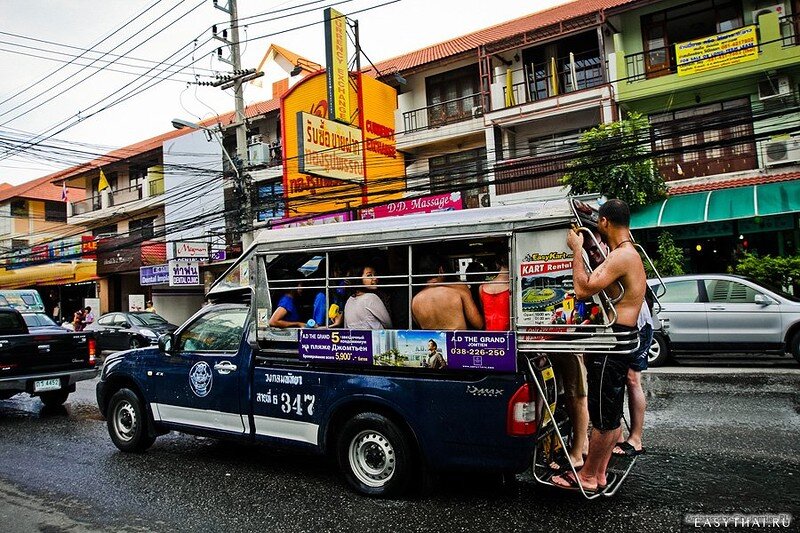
715, 228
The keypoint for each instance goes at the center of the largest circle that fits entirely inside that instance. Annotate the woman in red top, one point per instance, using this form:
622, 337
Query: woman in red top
496, 297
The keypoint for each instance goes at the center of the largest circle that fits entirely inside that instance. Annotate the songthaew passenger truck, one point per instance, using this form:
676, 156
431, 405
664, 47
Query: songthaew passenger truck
369, 397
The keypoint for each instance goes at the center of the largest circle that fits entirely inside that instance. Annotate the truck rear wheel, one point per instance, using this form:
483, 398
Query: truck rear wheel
375, 455
127, 422
54, 398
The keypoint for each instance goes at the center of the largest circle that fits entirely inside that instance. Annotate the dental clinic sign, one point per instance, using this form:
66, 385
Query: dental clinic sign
184, 273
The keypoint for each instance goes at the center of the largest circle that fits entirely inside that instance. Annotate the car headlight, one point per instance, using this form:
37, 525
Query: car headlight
148, 333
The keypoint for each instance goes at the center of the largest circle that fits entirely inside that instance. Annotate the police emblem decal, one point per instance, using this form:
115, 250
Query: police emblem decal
201, 379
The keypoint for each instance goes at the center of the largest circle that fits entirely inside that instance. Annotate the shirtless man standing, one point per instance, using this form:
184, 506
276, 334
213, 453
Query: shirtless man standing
444, 307
607, 373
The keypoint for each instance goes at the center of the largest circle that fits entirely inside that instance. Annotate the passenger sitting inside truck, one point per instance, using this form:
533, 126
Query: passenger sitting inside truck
286, 314
495, 296
442, 305
365, 309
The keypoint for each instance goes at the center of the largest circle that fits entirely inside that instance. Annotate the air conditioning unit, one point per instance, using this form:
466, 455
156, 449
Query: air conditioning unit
477, 111
780, 151
258, 153
484, 200
780, 9
774, 87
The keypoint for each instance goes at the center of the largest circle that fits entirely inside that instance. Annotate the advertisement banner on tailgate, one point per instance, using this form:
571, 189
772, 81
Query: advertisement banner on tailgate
431, 350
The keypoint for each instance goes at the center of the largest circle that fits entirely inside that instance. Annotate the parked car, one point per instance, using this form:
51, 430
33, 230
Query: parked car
722, 313
121, 331
46, 364
41, 323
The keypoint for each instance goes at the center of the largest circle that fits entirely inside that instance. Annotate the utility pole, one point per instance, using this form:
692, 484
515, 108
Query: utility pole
239, 77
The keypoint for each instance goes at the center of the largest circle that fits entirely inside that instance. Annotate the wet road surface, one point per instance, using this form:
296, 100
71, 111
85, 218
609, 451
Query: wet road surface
717, 442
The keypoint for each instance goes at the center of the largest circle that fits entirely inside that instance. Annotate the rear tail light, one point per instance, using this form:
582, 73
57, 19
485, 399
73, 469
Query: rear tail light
522, 412
92, 351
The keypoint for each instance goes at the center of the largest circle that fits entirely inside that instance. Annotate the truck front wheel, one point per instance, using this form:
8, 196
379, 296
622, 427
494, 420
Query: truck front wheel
127, 422
375, 455
54, 398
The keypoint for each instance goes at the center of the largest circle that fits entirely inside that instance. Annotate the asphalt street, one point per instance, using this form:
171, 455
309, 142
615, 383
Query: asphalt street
719, 440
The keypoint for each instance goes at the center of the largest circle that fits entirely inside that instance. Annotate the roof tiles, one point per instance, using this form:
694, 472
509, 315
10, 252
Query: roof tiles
730, 184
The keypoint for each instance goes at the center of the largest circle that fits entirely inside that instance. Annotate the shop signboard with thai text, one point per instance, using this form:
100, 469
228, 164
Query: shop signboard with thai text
717, 51
425, 204
184, 273
154, 275
329, 149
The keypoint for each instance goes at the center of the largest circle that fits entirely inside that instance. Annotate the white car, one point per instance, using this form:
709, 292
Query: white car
721, 313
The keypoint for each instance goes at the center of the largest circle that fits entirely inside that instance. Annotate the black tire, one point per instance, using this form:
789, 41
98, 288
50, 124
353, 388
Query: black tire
375, 455
794, 346
128, 423
54, 398
135, 343
658, 353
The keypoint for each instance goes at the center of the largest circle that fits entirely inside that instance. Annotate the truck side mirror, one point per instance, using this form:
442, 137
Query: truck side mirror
165, 343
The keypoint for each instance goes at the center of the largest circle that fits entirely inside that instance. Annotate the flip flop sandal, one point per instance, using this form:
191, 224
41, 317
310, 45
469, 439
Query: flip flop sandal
573, 484
628, 450
562, 465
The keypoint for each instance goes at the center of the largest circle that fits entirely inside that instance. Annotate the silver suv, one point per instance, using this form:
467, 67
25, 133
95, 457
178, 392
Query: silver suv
720, 313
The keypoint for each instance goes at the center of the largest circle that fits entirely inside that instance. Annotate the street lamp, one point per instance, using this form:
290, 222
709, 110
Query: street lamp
179, 124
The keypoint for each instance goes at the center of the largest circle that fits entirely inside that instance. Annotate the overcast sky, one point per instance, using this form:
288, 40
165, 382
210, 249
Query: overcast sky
385, 32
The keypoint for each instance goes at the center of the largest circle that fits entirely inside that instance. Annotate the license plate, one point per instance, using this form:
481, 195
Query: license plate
46, 384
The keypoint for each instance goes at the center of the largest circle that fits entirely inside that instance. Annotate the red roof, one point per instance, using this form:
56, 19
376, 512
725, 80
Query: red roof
504, 30
132, 150
38, 189
760, 179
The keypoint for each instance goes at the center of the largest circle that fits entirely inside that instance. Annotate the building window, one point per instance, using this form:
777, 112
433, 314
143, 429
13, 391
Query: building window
271, 204
705, 140
662, 30
110, 229
142, 228
136, 176
452, 95
455, 172
55, 211
19, 208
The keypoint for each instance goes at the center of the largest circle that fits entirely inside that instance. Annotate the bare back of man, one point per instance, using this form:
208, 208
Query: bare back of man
447, 307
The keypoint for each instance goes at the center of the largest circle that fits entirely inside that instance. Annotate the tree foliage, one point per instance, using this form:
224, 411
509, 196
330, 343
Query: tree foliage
670, 260
781, 271
613, 160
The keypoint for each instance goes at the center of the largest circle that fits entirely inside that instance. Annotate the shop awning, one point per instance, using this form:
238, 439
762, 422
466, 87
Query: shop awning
722, 204
48, 274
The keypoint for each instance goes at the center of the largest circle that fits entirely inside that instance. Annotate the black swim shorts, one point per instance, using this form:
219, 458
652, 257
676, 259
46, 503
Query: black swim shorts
607, 376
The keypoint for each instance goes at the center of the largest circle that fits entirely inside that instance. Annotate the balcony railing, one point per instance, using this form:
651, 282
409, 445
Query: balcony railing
582, 71
529, 173
441, 114
790, 29
128, 194
86, 206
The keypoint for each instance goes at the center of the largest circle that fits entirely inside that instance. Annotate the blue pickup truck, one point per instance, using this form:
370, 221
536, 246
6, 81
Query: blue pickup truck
389, 404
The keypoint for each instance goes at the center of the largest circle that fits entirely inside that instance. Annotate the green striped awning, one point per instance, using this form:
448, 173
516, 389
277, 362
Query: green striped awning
722, 204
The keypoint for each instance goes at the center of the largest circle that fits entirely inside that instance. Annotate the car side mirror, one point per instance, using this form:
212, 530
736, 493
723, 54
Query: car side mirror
126, 325
760, 299
165, 343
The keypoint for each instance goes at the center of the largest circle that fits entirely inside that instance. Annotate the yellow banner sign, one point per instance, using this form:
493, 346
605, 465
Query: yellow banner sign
717, 51
329, 149
336, 63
